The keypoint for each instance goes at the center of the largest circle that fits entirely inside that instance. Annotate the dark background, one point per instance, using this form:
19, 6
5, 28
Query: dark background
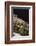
22, 14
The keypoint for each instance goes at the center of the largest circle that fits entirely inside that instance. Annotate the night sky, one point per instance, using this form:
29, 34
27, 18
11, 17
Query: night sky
22, 14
